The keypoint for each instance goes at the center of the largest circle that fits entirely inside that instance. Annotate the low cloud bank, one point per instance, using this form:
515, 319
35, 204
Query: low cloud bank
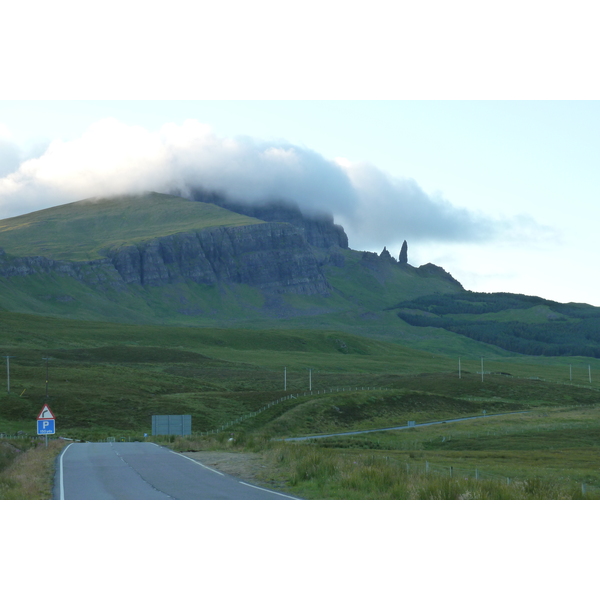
114, 158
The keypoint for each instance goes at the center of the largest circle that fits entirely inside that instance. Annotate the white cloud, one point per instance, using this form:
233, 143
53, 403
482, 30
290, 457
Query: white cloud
10, 154
112, 157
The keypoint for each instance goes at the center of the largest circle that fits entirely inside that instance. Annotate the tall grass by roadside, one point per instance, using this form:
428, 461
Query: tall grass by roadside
314, 472
319, 473
240, 441
28, 472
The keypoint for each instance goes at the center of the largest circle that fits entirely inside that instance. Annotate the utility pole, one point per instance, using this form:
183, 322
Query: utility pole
284, 379
459, 375
482, 369
8, 373
46, 359
310, 380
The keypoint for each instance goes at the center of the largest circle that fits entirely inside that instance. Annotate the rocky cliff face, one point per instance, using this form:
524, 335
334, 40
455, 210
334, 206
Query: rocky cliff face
273, 257
320, 230
99, 273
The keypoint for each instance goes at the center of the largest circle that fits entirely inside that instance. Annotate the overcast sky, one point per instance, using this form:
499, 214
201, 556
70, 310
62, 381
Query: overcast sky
503, 193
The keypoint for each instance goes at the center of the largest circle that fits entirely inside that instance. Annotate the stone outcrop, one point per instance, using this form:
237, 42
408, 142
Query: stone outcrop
403, 258
270, 256
273, 257
385, 254
431, 270
380, 262
320, 230
100, 273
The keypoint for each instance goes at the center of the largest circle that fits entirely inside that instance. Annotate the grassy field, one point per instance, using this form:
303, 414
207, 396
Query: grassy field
107, 380
109, 376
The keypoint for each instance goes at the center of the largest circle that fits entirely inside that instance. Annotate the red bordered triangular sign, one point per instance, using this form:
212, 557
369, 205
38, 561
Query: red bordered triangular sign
46, 413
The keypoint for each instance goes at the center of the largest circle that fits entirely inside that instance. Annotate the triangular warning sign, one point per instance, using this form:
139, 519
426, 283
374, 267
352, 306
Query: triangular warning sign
46, 413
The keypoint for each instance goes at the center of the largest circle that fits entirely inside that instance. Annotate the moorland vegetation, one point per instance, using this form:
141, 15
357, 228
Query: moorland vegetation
107, 380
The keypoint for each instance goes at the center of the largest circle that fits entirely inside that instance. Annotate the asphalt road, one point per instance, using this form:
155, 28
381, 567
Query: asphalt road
326, 435
145, 471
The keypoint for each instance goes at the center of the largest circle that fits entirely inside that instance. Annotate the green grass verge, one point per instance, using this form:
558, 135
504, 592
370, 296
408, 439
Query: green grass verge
27, 468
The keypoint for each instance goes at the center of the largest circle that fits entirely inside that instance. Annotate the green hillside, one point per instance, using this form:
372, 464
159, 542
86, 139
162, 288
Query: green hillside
80, 230
429, 310
360, 289
514, 322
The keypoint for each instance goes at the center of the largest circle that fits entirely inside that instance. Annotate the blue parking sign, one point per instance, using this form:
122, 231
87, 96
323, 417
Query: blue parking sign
45, 427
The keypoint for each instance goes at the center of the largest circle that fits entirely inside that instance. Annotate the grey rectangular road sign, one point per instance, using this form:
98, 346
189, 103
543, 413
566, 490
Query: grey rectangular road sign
171, 424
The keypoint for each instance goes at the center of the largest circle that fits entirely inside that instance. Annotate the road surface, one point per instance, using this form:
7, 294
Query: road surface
326, 435
145, 471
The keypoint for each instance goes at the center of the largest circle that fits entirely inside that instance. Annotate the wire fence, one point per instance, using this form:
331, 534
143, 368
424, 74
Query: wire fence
477, 474
19, 436
503, 431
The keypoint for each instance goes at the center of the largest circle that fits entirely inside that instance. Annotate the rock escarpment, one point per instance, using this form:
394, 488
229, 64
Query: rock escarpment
384, 260
99, 272
319, 230
273, 257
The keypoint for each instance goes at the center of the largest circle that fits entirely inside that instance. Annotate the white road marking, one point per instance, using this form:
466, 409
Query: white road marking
198, 463
266, 490
62, 481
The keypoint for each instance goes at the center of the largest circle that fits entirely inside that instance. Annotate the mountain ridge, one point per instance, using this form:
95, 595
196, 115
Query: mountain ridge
319, 228
161, 259
167, 257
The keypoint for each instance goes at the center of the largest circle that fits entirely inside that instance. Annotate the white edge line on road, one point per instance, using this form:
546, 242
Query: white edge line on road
223, 475
242, 482
266, 490
198, 463
62, 481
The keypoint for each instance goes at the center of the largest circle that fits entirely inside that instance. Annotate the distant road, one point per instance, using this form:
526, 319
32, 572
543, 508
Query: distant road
145, 471
326, 435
